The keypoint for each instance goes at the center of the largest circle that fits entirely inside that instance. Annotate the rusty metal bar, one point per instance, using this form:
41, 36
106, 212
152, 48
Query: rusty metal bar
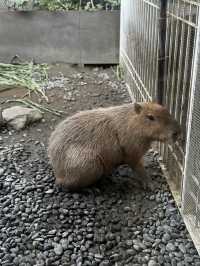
161, 50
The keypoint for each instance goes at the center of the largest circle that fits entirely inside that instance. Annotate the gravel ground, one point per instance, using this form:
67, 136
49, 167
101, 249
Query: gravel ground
112, 223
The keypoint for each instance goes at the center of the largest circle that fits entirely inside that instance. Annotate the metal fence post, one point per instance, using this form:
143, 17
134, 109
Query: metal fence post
161, 50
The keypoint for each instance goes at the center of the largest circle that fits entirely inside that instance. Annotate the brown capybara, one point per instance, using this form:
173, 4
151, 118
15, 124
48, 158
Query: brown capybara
92, 143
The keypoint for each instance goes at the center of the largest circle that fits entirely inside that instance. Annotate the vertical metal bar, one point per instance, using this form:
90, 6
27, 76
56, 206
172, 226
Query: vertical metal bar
154, 55
148, 47
157, 54
181, 67
161, 51
139, 22
140, 34
191, 105
151, 51
170, 55
184, 111
145, 32
132, 40
197, 209
175, 55
167, 41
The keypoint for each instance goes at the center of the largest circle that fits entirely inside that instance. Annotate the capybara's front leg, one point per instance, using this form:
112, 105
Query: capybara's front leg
141, 175
139, 168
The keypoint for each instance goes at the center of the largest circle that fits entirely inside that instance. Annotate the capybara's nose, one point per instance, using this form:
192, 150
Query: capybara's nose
175, 135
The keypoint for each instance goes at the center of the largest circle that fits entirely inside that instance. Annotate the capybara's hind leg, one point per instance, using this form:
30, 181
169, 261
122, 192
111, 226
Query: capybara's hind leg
60, 180
73, 183
77, 182
67, 182
83, 175
80, 167
60, 176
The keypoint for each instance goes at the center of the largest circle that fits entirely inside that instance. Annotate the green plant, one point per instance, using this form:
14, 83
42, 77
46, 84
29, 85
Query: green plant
20, 4
55, 5
30, 76
119, 72
37, 106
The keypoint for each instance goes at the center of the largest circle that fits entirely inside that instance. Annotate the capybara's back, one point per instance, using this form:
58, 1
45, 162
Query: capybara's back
91, 143
78, 147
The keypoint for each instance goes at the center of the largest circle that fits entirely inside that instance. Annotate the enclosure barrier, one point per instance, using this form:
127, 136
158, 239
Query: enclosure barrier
3, 5
159, 51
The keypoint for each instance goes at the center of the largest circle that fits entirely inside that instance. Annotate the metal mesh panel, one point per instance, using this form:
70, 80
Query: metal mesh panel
139, 56
191, 184
3, 4
139, 46
180, 46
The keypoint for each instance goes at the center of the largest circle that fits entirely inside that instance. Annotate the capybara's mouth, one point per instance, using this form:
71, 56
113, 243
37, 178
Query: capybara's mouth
167, 140
177, 136
172, 138
164, 139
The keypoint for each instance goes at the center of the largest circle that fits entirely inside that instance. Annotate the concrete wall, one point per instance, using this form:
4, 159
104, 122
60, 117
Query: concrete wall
60, 37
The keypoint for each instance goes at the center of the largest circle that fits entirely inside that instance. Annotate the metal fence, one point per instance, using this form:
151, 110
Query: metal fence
139, 46
3, 4
158, 46
191, 182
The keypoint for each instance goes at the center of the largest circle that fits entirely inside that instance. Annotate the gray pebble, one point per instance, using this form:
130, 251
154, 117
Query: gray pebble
58, 249
152, 263
130, 252
166, 237
170, 247
129, 243
1, 171
49, 191
182, 248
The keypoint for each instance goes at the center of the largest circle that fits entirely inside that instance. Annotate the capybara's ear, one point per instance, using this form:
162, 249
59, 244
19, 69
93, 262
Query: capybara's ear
138, 108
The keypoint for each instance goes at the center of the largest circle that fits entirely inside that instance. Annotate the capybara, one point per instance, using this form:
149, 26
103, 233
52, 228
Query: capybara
90, 144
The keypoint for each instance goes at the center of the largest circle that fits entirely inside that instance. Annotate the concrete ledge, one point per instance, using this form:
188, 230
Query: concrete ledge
60, 37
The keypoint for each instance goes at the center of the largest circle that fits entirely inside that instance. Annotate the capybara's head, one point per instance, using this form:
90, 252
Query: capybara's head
157, 123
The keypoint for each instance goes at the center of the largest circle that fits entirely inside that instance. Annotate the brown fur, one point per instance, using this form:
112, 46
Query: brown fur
92, 143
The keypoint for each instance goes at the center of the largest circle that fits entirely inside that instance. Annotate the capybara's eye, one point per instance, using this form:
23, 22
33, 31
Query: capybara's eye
151, 117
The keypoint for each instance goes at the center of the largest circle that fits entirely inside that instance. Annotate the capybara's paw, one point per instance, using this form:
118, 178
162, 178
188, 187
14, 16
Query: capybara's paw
138, 184
143, 184
150, 186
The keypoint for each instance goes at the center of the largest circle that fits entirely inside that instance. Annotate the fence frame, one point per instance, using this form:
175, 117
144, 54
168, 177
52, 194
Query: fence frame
194, 232
161, 52
167, 38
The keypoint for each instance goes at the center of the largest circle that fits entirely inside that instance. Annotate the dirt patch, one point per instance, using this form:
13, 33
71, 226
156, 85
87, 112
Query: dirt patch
83, 88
